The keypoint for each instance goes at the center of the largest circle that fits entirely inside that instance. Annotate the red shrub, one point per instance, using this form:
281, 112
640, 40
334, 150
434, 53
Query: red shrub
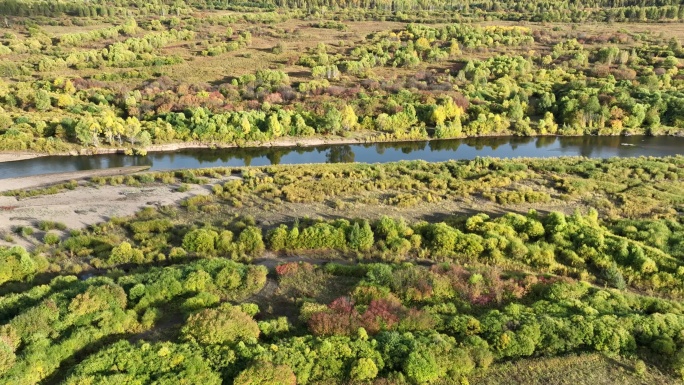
274, 98
342, 318
624, 74
290, 268
486, 289
382, 314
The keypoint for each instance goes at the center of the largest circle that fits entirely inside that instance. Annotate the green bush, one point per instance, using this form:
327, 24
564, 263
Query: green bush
51, 239
223, 325
201, 241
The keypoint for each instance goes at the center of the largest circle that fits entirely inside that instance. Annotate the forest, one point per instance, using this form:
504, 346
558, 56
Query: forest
485, 271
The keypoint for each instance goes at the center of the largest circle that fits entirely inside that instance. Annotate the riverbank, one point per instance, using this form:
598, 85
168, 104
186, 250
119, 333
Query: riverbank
10, 156
15, 156
84, 206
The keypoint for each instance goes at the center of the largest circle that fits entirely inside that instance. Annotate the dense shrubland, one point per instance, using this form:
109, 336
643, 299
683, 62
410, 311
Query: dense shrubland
47, 324
576, 246
183, 293
408, 323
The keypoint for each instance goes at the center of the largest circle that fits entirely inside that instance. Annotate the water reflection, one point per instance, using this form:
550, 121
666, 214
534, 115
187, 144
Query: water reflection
444, 145
340, 154
440, 150
545, 141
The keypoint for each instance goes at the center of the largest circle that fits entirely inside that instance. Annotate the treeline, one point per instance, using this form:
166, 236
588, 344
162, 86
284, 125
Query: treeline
400, 10
108, 8
604, 10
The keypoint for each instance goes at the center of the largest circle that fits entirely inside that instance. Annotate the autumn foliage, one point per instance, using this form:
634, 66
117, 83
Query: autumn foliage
344, 318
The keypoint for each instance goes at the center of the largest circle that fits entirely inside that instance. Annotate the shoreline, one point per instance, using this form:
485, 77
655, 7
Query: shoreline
11, 156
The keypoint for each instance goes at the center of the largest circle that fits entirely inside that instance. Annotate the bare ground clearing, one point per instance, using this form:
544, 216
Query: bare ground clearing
85, 206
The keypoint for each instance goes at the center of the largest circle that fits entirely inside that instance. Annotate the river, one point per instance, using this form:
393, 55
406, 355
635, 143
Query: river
432, 151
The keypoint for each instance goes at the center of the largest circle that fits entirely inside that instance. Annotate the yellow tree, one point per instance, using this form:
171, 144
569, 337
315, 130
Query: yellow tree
454, 48
87, 130
349, 119
132, 129
274, 126
111, 126
438, 115
245, 126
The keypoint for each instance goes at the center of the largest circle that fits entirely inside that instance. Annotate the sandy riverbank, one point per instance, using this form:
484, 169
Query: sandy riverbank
84, 206
9, 156
14, 156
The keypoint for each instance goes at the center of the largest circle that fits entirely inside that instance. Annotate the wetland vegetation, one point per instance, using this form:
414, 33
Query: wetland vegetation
482, 271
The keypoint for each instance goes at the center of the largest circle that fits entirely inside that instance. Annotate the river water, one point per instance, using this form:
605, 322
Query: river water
432, 151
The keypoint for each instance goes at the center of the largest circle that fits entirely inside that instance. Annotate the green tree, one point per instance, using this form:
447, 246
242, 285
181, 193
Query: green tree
360, 237
265, 373
421, 367
42, 100
364, 369
223, 325
251, 241
15, 264
332, 120
125, 253
87, 130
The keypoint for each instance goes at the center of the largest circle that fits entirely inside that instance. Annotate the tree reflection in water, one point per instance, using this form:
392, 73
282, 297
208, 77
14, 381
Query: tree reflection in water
404, 147
544, 141
445, 145
544, 146
340, 154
